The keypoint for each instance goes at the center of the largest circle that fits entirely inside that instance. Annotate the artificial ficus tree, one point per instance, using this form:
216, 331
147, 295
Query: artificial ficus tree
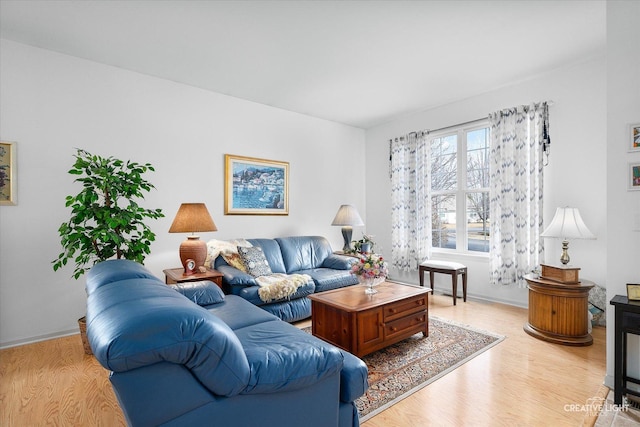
106, 220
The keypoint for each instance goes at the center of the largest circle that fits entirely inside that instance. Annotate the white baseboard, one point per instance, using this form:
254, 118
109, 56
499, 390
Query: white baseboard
469, 296
54, 335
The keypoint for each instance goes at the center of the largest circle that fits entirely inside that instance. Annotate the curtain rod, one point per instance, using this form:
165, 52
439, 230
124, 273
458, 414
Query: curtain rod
470, 122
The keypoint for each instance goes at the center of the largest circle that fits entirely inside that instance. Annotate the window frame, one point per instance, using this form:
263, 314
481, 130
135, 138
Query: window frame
462, 189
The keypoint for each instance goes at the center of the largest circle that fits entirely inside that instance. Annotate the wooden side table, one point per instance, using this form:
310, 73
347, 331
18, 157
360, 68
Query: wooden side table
175, 275
558, 312
627, 322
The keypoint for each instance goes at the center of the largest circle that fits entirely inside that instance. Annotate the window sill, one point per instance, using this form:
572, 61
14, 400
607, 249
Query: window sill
445, 254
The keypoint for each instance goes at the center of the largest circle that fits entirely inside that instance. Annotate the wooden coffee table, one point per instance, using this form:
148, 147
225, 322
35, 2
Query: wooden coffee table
361, 323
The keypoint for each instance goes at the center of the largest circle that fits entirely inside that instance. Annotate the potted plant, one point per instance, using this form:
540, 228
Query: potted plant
106, 220
364, 245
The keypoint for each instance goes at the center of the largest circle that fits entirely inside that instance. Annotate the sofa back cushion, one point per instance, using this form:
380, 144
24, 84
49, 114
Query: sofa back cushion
271, 250
303, 252
137, 322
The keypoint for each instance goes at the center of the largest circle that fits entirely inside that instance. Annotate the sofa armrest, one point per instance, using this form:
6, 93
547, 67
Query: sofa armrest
353, 378
203, 292
338, 262
234, 277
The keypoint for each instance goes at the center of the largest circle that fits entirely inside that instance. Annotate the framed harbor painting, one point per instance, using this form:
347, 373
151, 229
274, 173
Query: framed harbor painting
8, 173
255, 186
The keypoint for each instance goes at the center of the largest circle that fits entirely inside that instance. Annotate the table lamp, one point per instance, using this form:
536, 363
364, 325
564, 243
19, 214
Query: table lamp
347, 217
567, 224
192, 218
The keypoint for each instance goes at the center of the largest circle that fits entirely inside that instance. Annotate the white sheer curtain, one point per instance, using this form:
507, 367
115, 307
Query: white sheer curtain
518, 137
410, 201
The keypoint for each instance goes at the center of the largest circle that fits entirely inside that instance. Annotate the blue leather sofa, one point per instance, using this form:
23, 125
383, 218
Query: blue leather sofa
311, 255
187, 355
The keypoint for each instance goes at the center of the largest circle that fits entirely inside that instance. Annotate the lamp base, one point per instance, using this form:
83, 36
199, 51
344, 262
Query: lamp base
195, 249
347, 232
564, 258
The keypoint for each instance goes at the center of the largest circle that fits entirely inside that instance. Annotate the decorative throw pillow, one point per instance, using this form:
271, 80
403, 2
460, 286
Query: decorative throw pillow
228, 250
254, 260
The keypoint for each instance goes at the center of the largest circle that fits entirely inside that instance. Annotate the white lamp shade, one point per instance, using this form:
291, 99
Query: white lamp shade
347, 216
568, 224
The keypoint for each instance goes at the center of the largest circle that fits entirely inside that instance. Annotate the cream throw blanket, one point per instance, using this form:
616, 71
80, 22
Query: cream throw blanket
277, 285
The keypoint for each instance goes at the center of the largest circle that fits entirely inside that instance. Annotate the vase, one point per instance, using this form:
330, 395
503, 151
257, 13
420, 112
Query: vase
365, 248
370, 282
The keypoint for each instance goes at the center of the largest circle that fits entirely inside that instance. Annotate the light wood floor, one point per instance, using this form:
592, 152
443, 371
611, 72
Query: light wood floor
520, 382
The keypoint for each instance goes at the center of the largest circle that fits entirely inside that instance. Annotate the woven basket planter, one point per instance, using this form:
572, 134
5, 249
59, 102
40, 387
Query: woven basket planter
82, 322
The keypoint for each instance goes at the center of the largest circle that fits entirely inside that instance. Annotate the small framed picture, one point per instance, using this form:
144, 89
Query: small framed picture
633, 292
634, 136
634, 176
8, 176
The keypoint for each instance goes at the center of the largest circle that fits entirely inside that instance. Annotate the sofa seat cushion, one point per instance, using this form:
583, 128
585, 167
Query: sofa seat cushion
284, 358
328, 278
290, 311
250, 293
228, 311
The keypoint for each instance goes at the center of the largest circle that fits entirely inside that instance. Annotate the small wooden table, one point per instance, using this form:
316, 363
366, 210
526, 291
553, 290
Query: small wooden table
175, 275
627, 315
558, 312
361, 323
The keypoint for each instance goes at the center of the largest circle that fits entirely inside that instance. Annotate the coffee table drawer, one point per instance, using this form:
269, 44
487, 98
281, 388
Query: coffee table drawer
412, 324
404, 308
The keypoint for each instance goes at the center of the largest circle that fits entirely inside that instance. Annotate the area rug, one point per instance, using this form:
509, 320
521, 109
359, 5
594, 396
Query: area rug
404, 368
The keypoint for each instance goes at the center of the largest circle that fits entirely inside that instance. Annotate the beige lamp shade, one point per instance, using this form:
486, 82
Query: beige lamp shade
567, 224
192, 218
348, 217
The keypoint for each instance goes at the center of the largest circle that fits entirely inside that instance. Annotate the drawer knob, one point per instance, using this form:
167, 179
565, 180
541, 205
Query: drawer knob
394, 329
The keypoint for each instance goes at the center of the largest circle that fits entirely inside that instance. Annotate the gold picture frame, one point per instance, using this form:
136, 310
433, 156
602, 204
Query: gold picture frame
8, 174
255, 186
633, 292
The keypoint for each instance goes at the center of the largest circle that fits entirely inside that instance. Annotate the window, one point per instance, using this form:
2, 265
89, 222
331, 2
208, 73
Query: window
460, 188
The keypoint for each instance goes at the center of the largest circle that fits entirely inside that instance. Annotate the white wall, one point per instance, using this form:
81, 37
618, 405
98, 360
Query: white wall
576, 175
623, 108
51, 103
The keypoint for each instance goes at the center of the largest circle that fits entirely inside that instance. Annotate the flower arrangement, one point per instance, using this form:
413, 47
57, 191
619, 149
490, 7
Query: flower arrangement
370, 266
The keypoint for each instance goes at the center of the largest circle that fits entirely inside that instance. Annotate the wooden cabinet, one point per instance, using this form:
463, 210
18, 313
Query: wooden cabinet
558, 312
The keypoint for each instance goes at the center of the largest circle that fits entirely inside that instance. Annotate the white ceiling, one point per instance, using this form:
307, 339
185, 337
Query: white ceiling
355, 62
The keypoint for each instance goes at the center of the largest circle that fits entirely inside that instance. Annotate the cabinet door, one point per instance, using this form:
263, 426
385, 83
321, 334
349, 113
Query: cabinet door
541, 311
570, 316
370, 331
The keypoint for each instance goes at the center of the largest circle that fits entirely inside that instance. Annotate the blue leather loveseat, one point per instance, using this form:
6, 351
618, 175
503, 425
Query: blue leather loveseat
187, 355
310, 255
